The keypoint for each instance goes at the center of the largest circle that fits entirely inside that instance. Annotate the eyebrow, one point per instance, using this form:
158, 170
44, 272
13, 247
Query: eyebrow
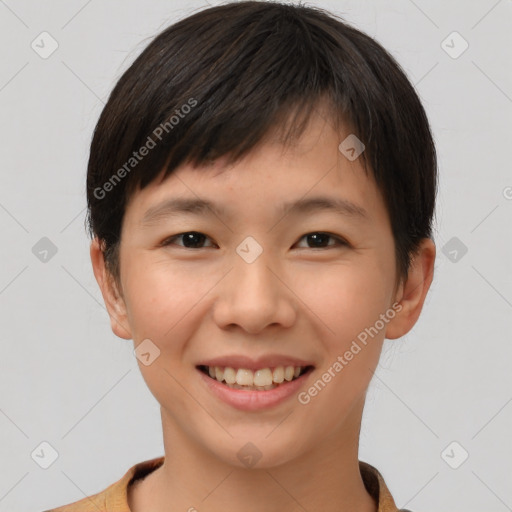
197, 206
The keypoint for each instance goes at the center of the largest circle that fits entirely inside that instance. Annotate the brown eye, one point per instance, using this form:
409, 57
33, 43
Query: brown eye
319, 240
191, 240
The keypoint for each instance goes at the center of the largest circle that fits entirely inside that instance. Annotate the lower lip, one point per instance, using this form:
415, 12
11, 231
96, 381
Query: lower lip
253, 400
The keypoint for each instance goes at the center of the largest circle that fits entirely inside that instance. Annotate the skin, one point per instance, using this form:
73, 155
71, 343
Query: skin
295, 299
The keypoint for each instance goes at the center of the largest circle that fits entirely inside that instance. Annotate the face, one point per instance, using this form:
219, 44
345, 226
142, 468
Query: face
249, 283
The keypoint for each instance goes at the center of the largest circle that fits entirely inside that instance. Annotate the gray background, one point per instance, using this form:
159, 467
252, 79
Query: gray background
67, 380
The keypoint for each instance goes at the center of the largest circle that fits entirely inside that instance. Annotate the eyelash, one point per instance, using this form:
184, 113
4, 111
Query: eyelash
340, 242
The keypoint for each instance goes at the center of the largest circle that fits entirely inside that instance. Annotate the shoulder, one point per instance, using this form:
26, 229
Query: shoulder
98, 502
114, 497
377, 488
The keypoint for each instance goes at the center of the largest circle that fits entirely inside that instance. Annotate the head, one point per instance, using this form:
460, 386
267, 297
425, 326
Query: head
250, 106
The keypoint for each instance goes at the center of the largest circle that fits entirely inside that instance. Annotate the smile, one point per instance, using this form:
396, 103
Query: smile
251, 397
264, 379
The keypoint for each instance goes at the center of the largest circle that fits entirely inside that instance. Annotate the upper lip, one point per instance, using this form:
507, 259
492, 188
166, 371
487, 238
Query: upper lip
268, 361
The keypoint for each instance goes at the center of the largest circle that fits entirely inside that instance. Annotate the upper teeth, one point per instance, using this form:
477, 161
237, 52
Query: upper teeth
245, 377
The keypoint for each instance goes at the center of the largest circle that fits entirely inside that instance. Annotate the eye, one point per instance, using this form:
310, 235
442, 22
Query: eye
191, 240
195, 240
319, 238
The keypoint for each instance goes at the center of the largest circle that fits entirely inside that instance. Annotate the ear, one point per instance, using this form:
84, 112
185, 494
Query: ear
411, 294
114, 301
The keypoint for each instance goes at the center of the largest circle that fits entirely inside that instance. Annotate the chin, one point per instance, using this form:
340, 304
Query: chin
254, 451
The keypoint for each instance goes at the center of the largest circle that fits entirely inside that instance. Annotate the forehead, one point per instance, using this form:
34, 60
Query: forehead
270, 179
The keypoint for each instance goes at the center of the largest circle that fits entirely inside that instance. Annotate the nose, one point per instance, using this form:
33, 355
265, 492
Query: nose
254, 296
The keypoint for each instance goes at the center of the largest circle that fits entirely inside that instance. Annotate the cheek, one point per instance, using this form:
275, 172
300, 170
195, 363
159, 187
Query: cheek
346, 298
169, 301
349, 302
161, 298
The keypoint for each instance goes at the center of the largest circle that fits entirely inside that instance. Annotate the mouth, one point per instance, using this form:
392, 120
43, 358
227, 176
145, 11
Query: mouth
263, 379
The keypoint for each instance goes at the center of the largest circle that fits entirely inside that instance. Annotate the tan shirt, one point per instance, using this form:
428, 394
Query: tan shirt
115, 497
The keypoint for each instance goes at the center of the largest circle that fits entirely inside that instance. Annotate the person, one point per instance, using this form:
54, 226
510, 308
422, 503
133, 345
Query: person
261, 190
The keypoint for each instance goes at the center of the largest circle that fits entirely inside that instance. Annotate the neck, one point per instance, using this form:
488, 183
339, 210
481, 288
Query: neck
325, 479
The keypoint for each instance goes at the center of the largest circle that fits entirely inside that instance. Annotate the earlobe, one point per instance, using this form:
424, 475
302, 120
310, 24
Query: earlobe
114, 301
412, 293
